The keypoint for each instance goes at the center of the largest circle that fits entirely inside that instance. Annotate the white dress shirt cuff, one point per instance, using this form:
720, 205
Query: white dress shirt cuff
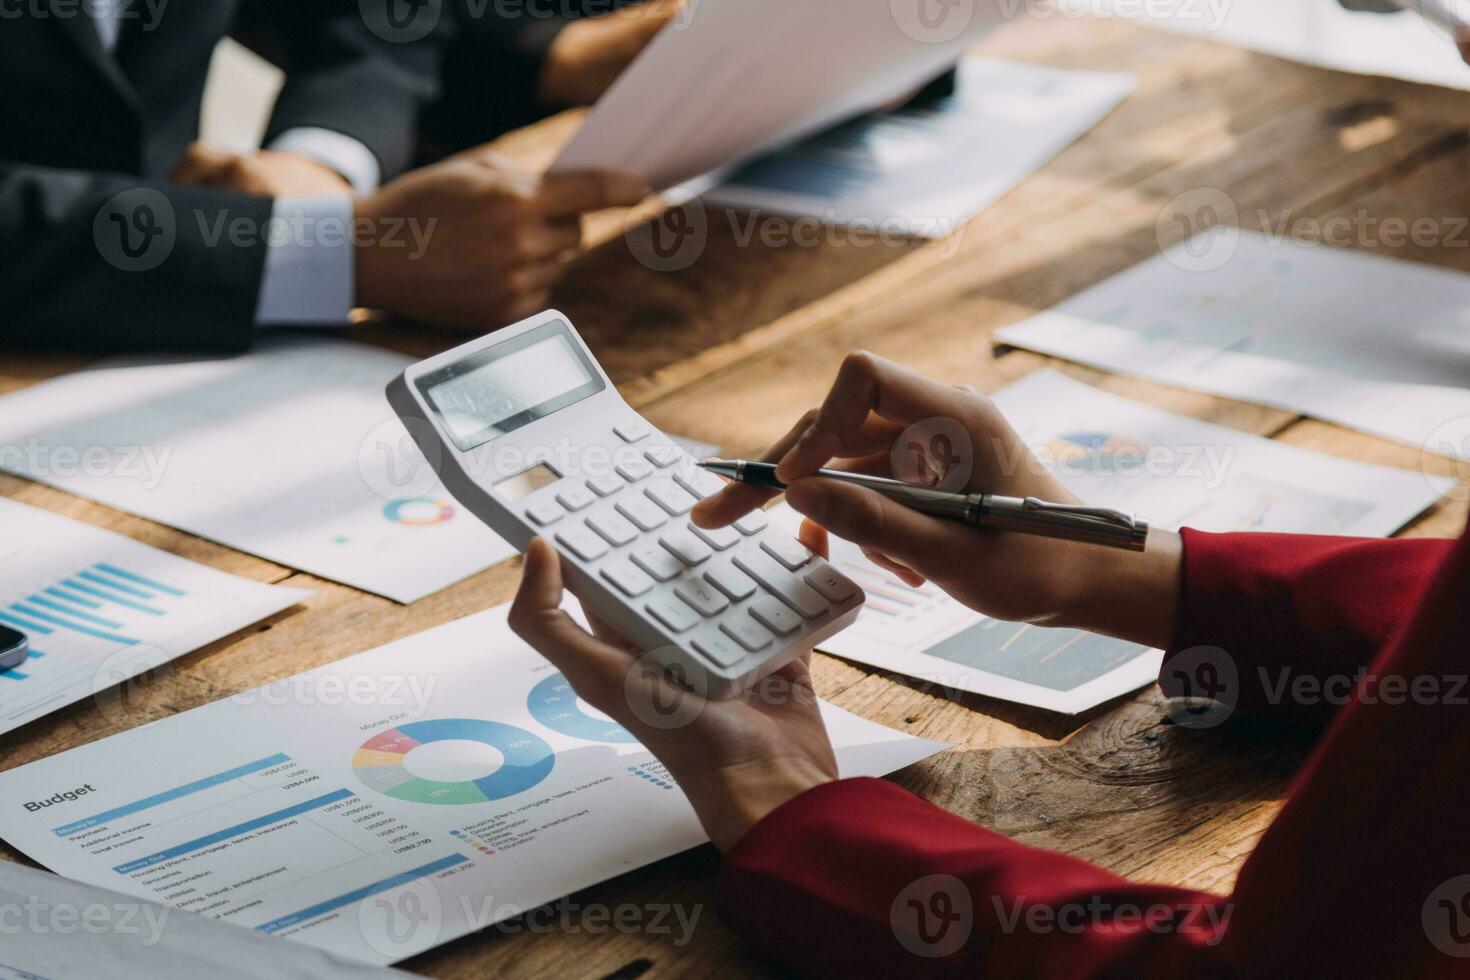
310, 273
348, 157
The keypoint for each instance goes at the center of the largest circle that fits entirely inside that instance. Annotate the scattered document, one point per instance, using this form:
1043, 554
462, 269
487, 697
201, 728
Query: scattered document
290, 452
381, 805
57, 929
1314, 32
924, 170
1168, 469
1375, 344
729, 79
99, 608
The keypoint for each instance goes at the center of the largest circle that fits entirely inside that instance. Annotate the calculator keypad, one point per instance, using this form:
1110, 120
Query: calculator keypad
729, 593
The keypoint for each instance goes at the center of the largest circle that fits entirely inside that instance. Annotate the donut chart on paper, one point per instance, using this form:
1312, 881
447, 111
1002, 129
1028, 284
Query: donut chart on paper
554, 704
418, 511
380, 761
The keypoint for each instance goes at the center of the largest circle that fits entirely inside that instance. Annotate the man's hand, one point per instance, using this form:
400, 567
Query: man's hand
588, 55
265, 172
1008, 575
471, 242
735, 760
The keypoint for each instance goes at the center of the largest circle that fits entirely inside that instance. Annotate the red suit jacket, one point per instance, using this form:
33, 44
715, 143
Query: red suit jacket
1359, 875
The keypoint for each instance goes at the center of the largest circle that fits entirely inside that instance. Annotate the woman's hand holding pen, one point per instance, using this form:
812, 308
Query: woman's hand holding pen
738, 760
872, 406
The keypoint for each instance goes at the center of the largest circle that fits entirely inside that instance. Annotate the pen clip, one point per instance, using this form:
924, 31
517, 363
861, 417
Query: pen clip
1105, 514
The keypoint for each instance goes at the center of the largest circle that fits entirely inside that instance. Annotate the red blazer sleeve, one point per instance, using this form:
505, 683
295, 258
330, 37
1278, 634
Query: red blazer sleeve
1365, 872
1280, 624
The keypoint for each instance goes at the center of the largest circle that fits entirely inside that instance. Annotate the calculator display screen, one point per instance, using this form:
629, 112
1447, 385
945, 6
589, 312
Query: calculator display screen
510, 385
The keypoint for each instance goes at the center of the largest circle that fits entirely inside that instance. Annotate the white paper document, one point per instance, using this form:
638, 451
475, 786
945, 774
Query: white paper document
1170, 470
1374, 344
290, 452
100, 608
728, 79
381, 805
926, 169
58, 929
1314, 32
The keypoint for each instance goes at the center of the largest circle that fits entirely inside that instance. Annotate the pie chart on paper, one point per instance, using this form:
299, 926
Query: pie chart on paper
453, 761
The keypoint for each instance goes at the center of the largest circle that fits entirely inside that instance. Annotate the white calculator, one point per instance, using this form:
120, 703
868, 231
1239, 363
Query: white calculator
527, 432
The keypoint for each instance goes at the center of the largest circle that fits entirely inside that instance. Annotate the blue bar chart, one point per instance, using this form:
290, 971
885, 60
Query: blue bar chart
99, 609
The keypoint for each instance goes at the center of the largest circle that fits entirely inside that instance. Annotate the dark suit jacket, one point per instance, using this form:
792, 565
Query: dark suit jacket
79, 126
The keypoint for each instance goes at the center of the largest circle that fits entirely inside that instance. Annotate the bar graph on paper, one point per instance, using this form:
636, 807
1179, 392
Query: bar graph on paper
99, 608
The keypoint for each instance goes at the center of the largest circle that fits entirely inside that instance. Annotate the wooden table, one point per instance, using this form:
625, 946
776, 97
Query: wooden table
732, 349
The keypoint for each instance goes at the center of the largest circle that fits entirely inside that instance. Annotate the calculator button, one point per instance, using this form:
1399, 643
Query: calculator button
753, 522
657, 562
795, 593
775, 616
792, 554
614, 527
746, 632
629, 580
731, 580
545, 513
832, 584
672, 613
582, 542
699, 482
575, 498
718, 538
641, 512
685, 547
669, 497
605, 485
634, 470
663, 456
705, 600
718, 651
632, 430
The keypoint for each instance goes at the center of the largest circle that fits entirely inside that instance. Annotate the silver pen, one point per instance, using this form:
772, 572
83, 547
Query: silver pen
1027, 515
